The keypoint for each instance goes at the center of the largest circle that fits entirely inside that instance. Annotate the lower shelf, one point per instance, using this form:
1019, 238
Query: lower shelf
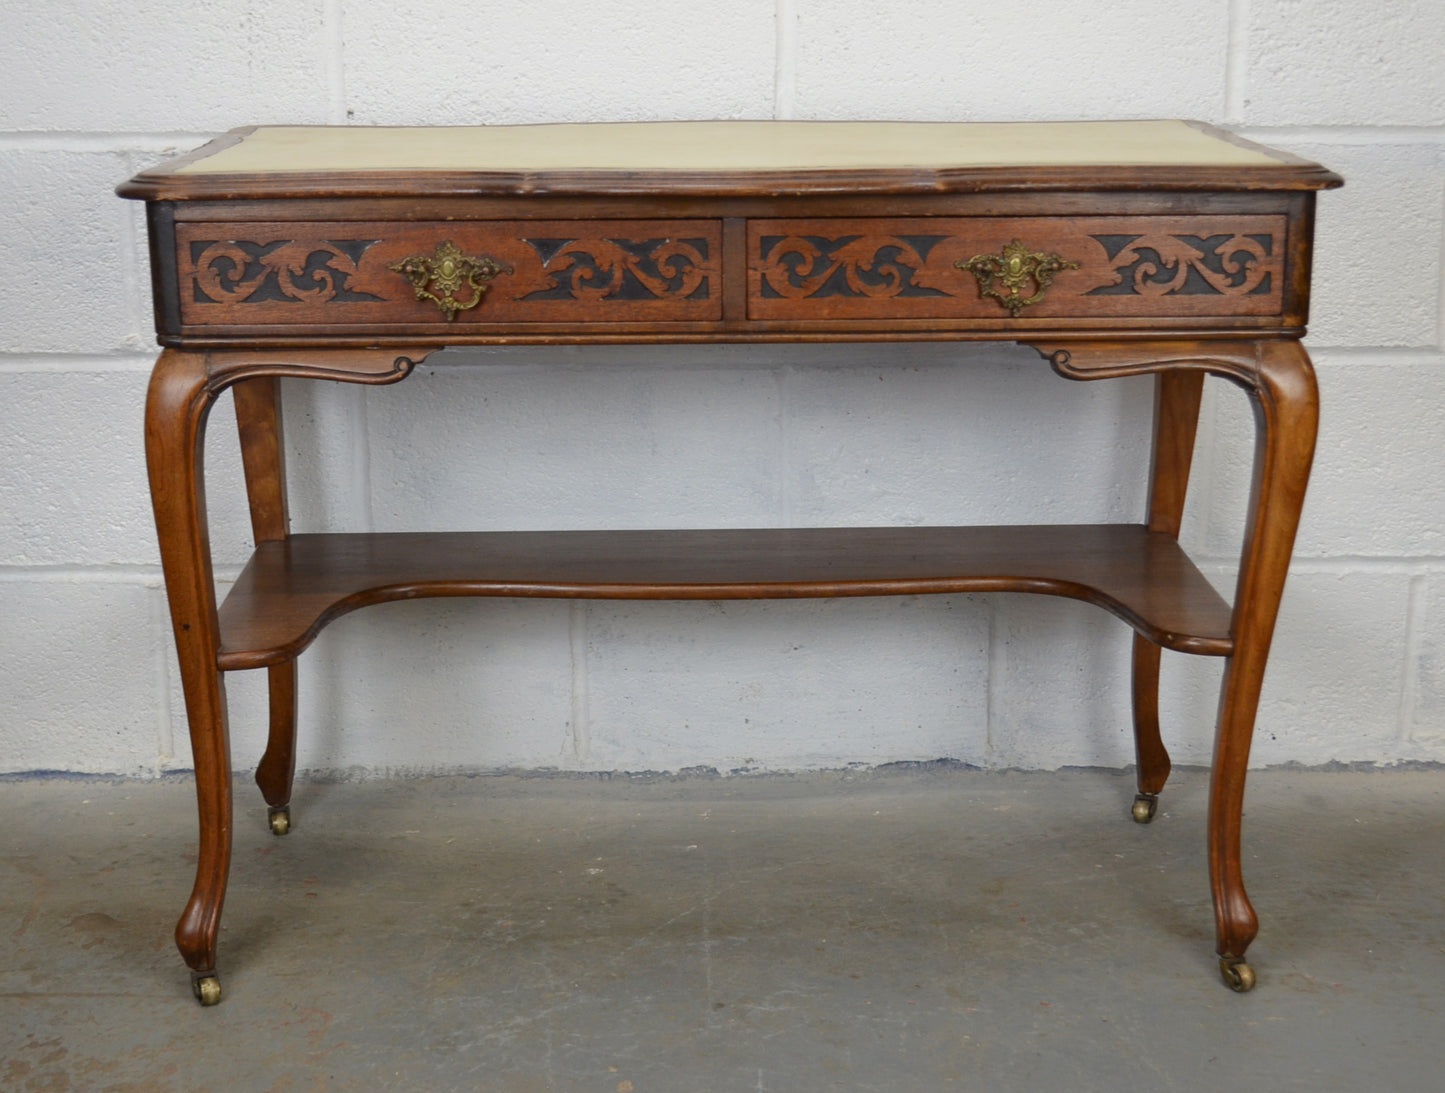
292, 588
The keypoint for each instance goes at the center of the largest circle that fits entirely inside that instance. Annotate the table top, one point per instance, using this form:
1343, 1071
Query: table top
722, 146
726, 156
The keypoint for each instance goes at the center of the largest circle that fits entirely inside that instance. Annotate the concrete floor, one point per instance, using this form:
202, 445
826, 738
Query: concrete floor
904, 931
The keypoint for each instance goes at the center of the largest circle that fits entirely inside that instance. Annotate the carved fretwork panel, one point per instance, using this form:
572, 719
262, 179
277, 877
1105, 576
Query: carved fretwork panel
1024, 267
1228, 264
625, 269
280, 271
351, 274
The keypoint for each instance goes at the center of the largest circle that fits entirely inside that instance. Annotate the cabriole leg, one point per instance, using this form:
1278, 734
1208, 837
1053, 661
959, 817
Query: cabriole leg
1281, 382
263, 456
1286, 404
176, 409
278, 766
1176, 420
1151, 758
182, 390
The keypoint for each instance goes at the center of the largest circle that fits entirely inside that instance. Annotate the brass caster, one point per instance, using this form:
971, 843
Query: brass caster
1145, 805
207, 989
280, 818
1238, 976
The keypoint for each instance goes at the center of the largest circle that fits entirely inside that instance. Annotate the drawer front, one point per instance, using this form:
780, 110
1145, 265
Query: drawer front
453, 274
1002, 268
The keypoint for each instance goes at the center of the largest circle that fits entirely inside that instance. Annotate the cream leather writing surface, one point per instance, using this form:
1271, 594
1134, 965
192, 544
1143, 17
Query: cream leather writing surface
725, 146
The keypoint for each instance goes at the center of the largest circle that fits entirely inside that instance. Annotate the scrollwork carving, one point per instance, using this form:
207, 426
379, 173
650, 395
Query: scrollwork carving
281, 271
1158, 265
622, 269
798, 267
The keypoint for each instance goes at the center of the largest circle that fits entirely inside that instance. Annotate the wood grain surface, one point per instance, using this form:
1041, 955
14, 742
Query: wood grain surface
291, 588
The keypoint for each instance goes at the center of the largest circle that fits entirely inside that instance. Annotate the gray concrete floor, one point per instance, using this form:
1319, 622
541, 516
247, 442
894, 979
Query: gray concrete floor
901, 931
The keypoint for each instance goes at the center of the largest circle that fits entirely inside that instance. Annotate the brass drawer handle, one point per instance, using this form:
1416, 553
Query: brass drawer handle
448, 270
1014, 269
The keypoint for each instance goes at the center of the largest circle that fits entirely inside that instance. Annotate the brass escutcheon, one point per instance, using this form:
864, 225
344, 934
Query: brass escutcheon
1014, 269
447, 271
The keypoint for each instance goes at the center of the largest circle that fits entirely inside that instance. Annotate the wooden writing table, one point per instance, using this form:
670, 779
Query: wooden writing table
1113, 248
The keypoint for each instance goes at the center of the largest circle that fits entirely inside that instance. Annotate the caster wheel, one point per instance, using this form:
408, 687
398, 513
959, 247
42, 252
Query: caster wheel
1238, 976
208, 989
280, 819
1145, 805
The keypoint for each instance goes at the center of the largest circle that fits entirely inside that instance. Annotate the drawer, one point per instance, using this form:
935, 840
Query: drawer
451, 274
1000, 268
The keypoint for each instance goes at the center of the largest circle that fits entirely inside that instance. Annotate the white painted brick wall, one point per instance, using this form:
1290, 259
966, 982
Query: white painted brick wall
626, 60
73, 490
1343, 62
1377, 490
66, 238
85, 684
919, 59
1390, 205
696, 436
1423, 707
97, 66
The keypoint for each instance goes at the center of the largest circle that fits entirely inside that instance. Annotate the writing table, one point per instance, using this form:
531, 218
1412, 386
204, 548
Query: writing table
1112, 248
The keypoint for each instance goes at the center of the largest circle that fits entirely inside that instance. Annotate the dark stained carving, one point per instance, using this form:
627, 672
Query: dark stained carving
1190, 265
882, 263
622, 269
432, 272
285, 271
797, 267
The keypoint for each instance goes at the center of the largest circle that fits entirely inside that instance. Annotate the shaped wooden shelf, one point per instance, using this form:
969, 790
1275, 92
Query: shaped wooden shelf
293, 587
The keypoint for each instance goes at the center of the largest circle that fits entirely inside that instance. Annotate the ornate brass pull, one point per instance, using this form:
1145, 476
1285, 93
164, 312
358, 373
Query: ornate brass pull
1014, 269
447, 271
